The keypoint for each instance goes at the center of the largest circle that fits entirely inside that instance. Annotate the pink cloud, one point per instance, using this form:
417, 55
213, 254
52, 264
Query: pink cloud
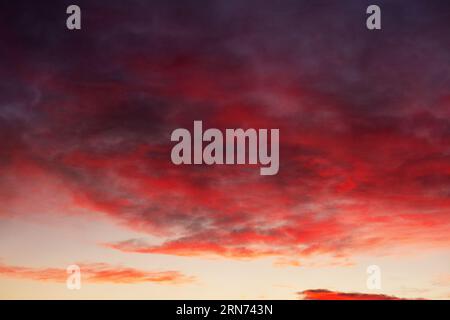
96, 273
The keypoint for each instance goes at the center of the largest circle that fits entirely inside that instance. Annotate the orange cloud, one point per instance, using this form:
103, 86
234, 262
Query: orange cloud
96, 273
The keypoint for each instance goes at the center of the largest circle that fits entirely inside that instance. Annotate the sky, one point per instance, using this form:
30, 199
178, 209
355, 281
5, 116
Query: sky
86, 176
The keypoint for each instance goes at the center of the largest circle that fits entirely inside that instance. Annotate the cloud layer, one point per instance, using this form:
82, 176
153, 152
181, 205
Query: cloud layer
364, 124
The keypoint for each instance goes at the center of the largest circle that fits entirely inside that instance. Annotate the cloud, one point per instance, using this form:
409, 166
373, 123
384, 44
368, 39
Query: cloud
86, 119
323, 294
96, 273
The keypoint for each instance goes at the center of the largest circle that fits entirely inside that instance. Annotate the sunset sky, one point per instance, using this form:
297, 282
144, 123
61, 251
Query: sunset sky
86, 176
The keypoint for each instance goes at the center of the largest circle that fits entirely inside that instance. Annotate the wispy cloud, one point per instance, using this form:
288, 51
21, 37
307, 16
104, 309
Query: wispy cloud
96, 273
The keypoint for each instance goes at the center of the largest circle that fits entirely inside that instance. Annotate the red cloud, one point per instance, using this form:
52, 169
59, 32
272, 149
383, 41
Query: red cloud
96, 273
196, 248
364, 166
323, 294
